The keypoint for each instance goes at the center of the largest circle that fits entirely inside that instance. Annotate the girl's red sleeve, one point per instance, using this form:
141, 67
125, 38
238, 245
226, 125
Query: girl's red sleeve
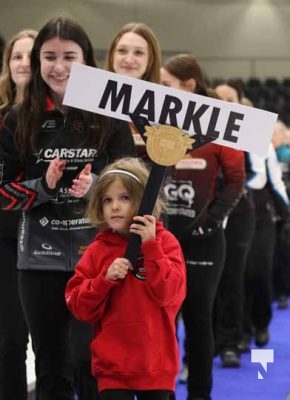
165, 269
87, 291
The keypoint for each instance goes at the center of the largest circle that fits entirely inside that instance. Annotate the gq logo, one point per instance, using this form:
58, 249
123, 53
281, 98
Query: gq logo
262, 356
179, 191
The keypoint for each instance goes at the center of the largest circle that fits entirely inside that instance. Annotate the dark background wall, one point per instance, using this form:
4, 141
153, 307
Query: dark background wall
229, 37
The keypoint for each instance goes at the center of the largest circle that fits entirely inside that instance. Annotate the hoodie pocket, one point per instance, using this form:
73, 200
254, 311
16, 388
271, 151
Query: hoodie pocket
126, 348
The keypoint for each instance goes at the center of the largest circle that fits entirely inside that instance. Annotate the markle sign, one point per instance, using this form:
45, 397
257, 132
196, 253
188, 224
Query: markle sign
233, 125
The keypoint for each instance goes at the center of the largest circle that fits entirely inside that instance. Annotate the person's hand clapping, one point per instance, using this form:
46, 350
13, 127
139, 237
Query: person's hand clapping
118, 269
82, 184
145, 227
54, 172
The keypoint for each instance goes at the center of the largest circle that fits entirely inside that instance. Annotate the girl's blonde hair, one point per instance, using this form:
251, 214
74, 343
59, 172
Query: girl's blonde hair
133, 173
152, 73
7, 86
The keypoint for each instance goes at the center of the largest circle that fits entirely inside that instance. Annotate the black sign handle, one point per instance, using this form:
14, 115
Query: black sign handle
153, 185
150, 194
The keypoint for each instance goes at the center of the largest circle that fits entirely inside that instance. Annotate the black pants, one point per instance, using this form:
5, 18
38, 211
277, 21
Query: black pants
204, 262
120, 394
13, 329
59, 371
229, 308
258, 278
281, 272
80, 339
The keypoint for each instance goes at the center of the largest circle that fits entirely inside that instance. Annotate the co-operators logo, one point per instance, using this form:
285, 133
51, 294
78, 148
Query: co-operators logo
263, 357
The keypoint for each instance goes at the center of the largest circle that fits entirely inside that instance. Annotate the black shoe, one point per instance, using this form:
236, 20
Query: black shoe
196, 398
244, 344
183, 374
230, 359
282, 302
262, 337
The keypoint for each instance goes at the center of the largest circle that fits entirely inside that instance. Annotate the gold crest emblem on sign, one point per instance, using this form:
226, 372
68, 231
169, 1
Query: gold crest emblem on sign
166, 145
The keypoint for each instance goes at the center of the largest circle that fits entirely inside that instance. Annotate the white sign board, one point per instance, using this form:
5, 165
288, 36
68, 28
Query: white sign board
234, 125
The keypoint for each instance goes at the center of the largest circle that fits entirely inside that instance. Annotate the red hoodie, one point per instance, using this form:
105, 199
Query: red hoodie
134, 345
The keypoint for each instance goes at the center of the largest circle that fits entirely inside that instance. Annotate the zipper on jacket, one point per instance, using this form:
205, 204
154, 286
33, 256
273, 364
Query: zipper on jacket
66, 198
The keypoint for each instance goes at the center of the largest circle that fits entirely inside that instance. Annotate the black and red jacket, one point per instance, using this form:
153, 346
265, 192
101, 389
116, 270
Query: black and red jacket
191, 187
8, 220
53, 230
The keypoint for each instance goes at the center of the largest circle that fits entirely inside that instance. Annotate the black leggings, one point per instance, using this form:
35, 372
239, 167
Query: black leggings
48, 319
60, 343
204, 264
122, 394
13, 329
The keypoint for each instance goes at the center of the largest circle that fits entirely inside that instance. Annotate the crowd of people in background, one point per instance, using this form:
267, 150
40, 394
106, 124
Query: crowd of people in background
214, 261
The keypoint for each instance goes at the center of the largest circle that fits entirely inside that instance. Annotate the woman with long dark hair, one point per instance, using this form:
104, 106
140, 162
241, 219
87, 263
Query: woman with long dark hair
50, 155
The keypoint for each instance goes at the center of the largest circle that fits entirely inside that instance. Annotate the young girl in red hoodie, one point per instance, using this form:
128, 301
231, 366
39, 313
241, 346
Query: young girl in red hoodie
134, 348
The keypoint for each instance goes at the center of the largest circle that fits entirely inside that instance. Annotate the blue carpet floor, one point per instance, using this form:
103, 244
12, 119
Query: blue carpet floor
243, 383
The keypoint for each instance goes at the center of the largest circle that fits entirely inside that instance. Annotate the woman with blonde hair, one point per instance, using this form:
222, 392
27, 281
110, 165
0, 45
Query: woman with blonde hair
13, 330
15, 68
145, 59
135, 52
